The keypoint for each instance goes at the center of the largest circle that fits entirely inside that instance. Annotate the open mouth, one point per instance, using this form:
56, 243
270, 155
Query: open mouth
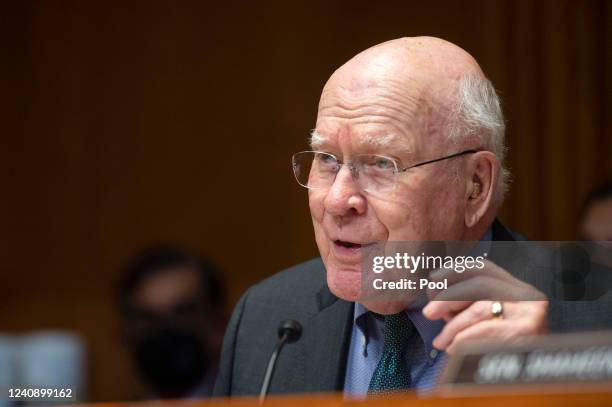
347, 245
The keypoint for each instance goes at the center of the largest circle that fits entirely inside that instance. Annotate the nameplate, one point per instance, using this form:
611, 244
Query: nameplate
547, 359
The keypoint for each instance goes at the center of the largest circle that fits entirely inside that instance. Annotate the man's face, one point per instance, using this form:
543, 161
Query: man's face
426, 204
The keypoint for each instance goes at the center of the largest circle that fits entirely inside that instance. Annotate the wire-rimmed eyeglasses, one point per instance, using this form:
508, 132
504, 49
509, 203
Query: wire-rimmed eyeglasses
372, 172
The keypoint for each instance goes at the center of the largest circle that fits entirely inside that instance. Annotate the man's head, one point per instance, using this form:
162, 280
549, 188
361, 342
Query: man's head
412, 100
171, 304
596, 219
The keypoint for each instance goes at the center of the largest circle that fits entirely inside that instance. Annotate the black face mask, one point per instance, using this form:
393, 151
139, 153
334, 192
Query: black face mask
172, 361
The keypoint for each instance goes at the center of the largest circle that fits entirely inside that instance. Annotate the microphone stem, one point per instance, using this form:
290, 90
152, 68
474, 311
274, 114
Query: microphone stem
271, 366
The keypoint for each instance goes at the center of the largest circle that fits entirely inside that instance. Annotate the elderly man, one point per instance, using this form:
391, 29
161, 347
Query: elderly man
411, 137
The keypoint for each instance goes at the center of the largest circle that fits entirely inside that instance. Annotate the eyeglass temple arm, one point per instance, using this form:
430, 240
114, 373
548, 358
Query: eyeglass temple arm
441, 159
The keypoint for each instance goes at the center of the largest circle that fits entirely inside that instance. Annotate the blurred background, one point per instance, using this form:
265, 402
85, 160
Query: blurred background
124, 124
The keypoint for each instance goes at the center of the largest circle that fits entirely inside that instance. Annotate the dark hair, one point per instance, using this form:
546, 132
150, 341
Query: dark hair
161, 258
602, 192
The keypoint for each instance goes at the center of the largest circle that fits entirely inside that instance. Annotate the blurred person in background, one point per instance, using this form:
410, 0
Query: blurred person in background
596, 217
171, 305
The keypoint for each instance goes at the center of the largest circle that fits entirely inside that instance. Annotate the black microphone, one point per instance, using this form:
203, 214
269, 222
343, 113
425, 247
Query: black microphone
288, 331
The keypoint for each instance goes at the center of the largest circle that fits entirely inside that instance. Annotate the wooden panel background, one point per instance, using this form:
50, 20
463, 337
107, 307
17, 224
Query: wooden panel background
126, 123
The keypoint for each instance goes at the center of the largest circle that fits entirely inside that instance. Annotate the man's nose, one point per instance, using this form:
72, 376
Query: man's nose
344, 196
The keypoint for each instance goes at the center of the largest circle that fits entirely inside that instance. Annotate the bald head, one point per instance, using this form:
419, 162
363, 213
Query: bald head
420, 67
417, 57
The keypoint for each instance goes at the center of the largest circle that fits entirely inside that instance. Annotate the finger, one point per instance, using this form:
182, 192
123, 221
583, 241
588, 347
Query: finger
501, 330
483, 288
520, 319
475, 313
444, 309
490, 269
485, 329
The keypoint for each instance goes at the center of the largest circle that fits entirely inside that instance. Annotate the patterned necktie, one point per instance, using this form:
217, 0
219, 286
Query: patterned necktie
392, 372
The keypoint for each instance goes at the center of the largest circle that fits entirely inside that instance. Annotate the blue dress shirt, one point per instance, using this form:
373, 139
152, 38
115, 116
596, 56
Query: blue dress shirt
366, 349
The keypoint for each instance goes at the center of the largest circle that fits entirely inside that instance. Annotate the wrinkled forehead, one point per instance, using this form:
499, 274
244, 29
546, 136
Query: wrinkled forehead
379, 115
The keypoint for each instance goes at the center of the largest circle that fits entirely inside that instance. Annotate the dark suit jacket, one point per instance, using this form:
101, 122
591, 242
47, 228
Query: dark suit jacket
316, 363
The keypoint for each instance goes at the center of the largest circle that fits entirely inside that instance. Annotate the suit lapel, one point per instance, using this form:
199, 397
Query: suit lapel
326, 339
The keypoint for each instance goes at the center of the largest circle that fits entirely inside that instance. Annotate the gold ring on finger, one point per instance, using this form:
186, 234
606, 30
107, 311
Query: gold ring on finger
497, 310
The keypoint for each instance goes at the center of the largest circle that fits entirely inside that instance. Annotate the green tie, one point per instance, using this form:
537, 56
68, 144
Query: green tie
392, 372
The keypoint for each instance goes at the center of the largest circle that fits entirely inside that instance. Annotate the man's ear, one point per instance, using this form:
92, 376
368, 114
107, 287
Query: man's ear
482, 172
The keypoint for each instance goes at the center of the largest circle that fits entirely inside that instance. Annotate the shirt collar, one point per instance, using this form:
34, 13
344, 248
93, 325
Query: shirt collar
426, 328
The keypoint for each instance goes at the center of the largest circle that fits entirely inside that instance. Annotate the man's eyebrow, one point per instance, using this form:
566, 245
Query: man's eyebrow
318, 140
378, 141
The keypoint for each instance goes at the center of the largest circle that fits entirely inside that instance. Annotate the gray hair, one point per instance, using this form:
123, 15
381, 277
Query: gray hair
478, 115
